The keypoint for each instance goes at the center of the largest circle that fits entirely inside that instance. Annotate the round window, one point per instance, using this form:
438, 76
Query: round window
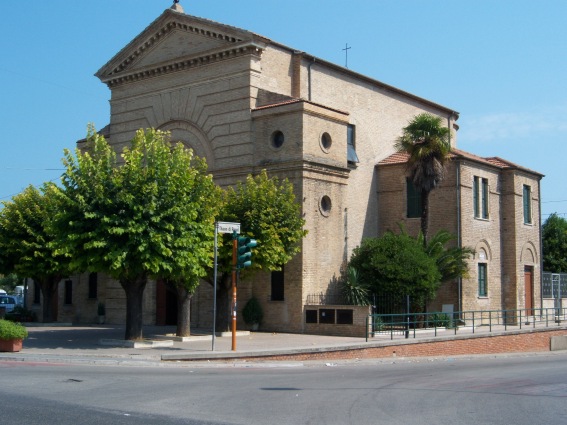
325, 205
277, 139
326, 141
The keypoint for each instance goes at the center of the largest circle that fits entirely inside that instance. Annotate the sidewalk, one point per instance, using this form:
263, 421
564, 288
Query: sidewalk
105, 345
101, 344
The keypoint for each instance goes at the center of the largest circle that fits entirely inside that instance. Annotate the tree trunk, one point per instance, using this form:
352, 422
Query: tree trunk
48, 287
183, 311
424, 215
134, 306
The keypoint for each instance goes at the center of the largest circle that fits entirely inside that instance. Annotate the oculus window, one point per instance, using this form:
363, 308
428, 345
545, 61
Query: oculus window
325, 205
277, 139
326, 142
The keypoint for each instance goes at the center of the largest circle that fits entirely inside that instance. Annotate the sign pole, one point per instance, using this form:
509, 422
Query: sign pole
215, 288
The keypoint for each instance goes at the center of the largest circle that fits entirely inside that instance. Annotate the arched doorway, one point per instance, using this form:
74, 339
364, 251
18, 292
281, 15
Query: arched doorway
166, 305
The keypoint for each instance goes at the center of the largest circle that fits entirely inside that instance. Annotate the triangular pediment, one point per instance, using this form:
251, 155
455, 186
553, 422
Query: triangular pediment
176, 39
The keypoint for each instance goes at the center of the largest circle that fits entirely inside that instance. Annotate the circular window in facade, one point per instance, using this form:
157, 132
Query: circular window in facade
277, 139
325, 205
326, 142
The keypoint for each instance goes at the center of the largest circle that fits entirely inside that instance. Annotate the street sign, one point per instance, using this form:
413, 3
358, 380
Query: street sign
226, 227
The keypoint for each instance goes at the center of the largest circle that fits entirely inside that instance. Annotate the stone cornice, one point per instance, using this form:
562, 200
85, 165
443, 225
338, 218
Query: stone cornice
170, 26
180, 64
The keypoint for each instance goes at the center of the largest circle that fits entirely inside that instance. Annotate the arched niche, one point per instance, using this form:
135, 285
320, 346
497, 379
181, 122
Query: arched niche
529, 254
483, 253
192, 137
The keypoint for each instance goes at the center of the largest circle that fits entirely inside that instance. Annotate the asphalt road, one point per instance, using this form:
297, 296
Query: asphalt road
513, 389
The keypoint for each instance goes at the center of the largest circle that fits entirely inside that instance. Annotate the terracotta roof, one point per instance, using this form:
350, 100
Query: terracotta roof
402, 157
500, 162
292, 101
396, 158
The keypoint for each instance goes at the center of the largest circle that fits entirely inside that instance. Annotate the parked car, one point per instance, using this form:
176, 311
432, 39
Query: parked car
8, 302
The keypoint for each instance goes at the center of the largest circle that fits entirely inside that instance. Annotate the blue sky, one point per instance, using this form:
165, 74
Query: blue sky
501, 64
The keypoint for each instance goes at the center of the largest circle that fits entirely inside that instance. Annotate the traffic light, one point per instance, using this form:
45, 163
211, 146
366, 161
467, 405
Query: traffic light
244, 253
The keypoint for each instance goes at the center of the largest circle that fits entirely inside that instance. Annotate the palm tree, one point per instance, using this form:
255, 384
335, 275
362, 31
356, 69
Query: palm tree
452, 261
428, 146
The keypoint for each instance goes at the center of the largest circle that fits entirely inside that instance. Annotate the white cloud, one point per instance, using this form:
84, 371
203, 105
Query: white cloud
514, 125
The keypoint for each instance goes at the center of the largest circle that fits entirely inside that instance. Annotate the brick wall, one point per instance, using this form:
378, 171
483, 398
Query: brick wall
356, 329
517, 342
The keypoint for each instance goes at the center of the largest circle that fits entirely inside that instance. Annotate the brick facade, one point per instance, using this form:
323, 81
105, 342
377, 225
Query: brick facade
501, 240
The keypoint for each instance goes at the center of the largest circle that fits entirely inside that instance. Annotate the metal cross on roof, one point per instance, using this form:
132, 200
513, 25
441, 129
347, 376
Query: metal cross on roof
346, 49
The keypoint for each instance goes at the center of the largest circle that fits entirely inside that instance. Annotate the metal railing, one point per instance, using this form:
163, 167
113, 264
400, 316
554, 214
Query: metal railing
424, 324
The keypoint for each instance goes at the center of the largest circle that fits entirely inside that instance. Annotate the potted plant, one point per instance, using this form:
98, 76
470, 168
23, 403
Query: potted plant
12, 335
101, 309
252, 313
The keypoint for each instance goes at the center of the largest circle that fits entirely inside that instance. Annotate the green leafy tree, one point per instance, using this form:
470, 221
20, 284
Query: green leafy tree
135, 219
9, 282
27, 242
397, 265
554, 238
268, 212
428, 146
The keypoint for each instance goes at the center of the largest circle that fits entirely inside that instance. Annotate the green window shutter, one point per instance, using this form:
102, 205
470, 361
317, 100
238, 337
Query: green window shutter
475, 197
414, 205
484, 198
527, 205
482, 286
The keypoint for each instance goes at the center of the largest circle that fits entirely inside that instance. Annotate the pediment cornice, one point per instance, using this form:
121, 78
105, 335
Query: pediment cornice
230, 41
181, 64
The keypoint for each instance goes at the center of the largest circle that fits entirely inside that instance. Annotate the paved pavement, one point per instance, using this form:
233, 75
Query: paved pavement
104, 344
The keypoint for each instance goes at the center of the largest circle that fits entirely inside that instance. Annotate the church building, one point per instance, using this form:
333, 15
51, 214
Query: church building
246, 103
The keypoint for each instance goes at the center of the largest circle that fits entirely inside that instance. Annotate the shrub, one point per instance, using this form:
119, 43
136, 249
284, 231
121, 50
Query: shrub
440, 320
10, 330
252, 312
21, 314
378, 323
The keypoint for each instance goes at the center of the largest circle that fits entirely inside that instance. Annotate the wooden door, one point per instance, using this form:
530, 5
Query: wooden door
529, 288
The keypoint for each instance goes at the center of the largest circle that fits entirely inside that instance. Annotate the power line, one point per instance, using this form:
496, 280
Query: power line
32, 169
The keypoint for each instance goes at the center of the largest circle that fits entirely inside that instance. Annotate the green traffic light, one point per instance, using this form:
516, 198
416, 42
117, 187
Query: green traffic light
244, 258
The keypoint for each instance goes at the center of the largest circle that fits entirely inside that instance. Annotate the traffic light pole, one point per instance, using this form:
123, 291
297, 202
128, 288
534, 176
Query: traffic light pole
233, 327
241, 258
